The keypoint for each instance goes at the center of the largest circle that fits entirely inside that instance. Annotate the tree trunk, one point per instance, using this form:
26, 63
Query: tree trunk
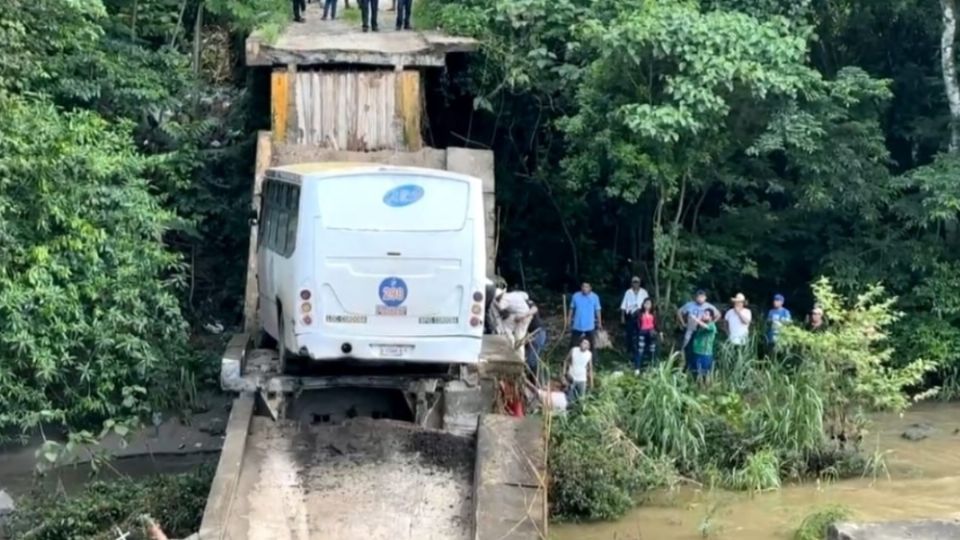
948, 63
197, 38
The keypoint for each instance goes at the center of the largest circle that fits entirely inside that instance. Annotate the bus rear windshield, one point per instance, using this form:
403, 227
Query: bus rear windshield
393, 202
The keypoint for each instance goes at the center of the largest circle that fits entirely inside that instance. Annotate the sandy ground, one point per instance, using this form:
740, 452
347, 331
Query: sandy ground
370, 479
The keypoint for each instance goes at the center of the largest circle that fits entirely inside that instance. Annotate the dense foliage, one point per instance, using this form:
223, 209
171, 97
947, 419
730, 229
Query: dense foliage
734, 144
798, 414
100, 509
125, 159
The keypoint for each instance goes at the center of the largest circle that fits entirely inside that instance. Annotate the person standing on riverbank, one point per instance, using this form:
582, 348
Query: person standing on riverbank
646, 324
702, 347
585, 317
738, 320
579, 369
629, 307
687, 317
329, 9
403, 13
299, 7
776, 318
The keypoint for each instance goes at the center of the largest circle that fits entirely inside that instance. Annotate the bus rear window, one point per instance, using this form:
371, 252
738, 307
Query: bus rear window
393, 202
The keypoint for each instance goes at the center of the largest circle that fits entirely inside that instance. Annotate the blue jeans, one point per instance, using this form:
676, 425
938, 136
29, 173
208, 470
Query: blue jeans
576, 390
630, 334
330, 7
646, 349
535, 348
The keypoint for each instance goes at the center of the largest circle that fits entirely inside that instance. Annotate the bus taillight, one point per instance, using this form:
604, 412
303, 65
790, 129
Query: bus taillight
478, 296
475, 322
476, 309
306, 307
307, 320
305, 294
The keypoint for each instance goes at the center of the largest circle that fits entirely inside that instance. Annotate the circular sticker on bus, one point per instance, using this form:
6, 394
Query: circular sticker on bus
404, 195
393, 291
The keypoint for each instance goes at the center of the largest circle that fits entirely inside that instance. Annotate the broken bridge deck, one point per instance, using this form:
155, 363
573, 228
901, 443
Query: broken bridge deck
319, 42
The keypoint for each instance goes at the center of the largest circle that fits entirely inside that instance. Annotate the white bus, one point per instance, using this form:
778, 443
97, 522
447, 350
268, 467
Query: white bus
372, 262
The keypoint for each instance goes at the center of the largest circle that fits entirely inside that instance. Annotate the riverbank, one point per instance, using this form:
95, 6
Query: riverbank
924, 482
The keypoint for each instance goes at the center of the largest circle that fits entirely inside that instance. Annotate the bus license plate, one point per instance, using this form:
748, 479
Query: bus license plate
390, 311
394, 351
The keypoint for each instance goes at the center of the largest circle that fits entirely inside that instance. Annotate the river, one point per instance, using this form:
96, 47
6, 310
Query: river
924, 483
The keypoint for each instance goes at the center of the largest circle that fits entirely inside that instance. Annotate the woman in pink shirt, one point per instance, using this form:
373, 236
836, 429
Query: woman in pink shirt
646, 335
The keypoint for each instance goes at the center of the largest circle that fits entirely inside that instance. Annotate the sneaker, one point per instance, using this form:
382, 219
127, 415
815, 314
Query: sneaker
376, 29
366, 29
299, 19
406, 26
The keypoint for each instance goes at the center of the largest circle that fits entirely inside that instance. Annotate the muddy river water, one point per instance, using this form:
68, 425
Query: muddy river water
924, 483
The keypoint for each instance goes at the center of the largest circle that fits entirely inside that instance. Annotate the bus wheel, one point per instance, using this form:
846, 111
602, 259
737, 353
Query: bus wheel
282, 354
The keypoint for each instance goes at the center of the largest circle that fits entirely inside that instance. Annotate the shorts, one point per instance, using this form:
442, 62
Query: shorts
703, 363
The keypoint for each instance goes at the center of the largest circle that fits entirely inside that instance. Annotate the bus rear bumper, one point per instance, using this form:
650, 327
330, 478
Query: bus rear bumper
440, 350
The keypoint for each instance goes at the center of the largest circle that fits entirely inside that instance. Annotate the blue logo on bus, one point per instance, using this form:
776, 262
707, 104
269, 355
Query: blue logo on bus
393, 291
404, 195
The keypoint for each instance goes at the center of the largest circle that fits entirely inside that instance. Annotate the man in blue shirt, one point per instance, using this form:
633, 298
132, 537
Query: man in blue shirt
776, 318
585, 316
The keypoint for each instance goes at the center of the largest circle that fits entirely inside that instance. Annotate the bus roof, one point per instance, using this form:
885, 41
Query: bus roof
298, 171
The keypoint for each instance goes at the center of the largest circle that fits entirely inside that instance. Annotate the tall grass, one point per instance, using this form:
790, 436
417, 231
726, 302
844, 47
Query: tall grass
761, 472
788, 413
664, 412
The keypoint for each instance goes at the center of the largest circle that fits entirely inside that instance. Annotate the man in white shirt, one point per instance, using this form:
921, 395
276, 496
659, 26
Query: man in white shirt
516, 306
632, 300
579, 369
738, 321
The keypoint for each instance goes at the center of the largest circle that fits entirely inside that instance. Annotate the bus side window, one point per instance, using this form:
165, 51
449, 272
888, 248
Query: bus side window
280, 230
266, 209
293, 211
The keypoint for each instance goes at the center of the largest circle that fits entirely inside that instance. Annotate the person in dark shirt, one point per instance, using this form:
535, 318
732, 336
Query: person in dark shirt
537, 339
815, 322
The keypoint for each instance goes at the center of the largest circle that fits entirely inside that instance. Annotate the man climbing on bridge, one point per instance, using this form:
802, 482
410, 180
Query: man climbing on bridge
368, 14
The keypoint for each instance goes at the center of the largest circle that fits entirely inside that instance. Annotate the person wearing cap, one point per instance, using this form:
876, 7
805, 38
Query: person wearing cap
629, 307
585, 317
776, 318
688, 316
815, 321
738, 320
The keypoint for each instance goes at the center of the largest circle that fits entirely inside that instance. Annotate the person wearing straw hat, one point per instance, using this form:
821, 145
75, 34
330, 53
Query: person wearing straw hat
738, 320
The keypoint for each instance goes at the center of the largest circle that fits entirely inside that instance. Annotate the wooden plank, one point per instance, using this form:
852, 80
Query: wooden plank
279, 106
409, 108
216, 514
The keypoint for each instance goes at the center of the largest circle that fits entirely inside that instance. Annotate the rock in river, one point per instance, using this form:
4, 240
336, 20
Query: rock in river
918, 432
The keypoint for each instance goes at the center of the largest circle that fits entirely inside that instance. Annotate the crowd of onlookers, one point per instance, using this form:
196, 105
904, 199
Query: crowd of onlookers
368, 12
698, 323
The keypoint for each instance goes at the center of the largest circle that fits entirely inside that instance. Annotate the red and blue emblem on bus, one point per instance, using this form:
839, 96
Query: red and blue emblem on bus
393, 292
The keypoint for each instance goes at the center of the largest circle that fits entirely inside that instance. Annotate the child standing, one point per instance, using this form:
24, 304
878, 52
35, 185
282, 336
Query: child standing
579, 368
703, 340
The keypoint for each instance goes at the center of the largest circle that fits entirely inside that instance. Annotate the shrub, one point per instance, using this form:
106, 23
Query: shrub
87, 303
176, 502
814, 526
596, 469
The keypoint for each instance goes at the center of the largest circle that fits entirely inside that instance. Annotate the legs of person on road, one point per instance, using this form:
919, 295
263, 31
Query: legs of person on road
299, 7
330, 8
403, 13
368, 14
